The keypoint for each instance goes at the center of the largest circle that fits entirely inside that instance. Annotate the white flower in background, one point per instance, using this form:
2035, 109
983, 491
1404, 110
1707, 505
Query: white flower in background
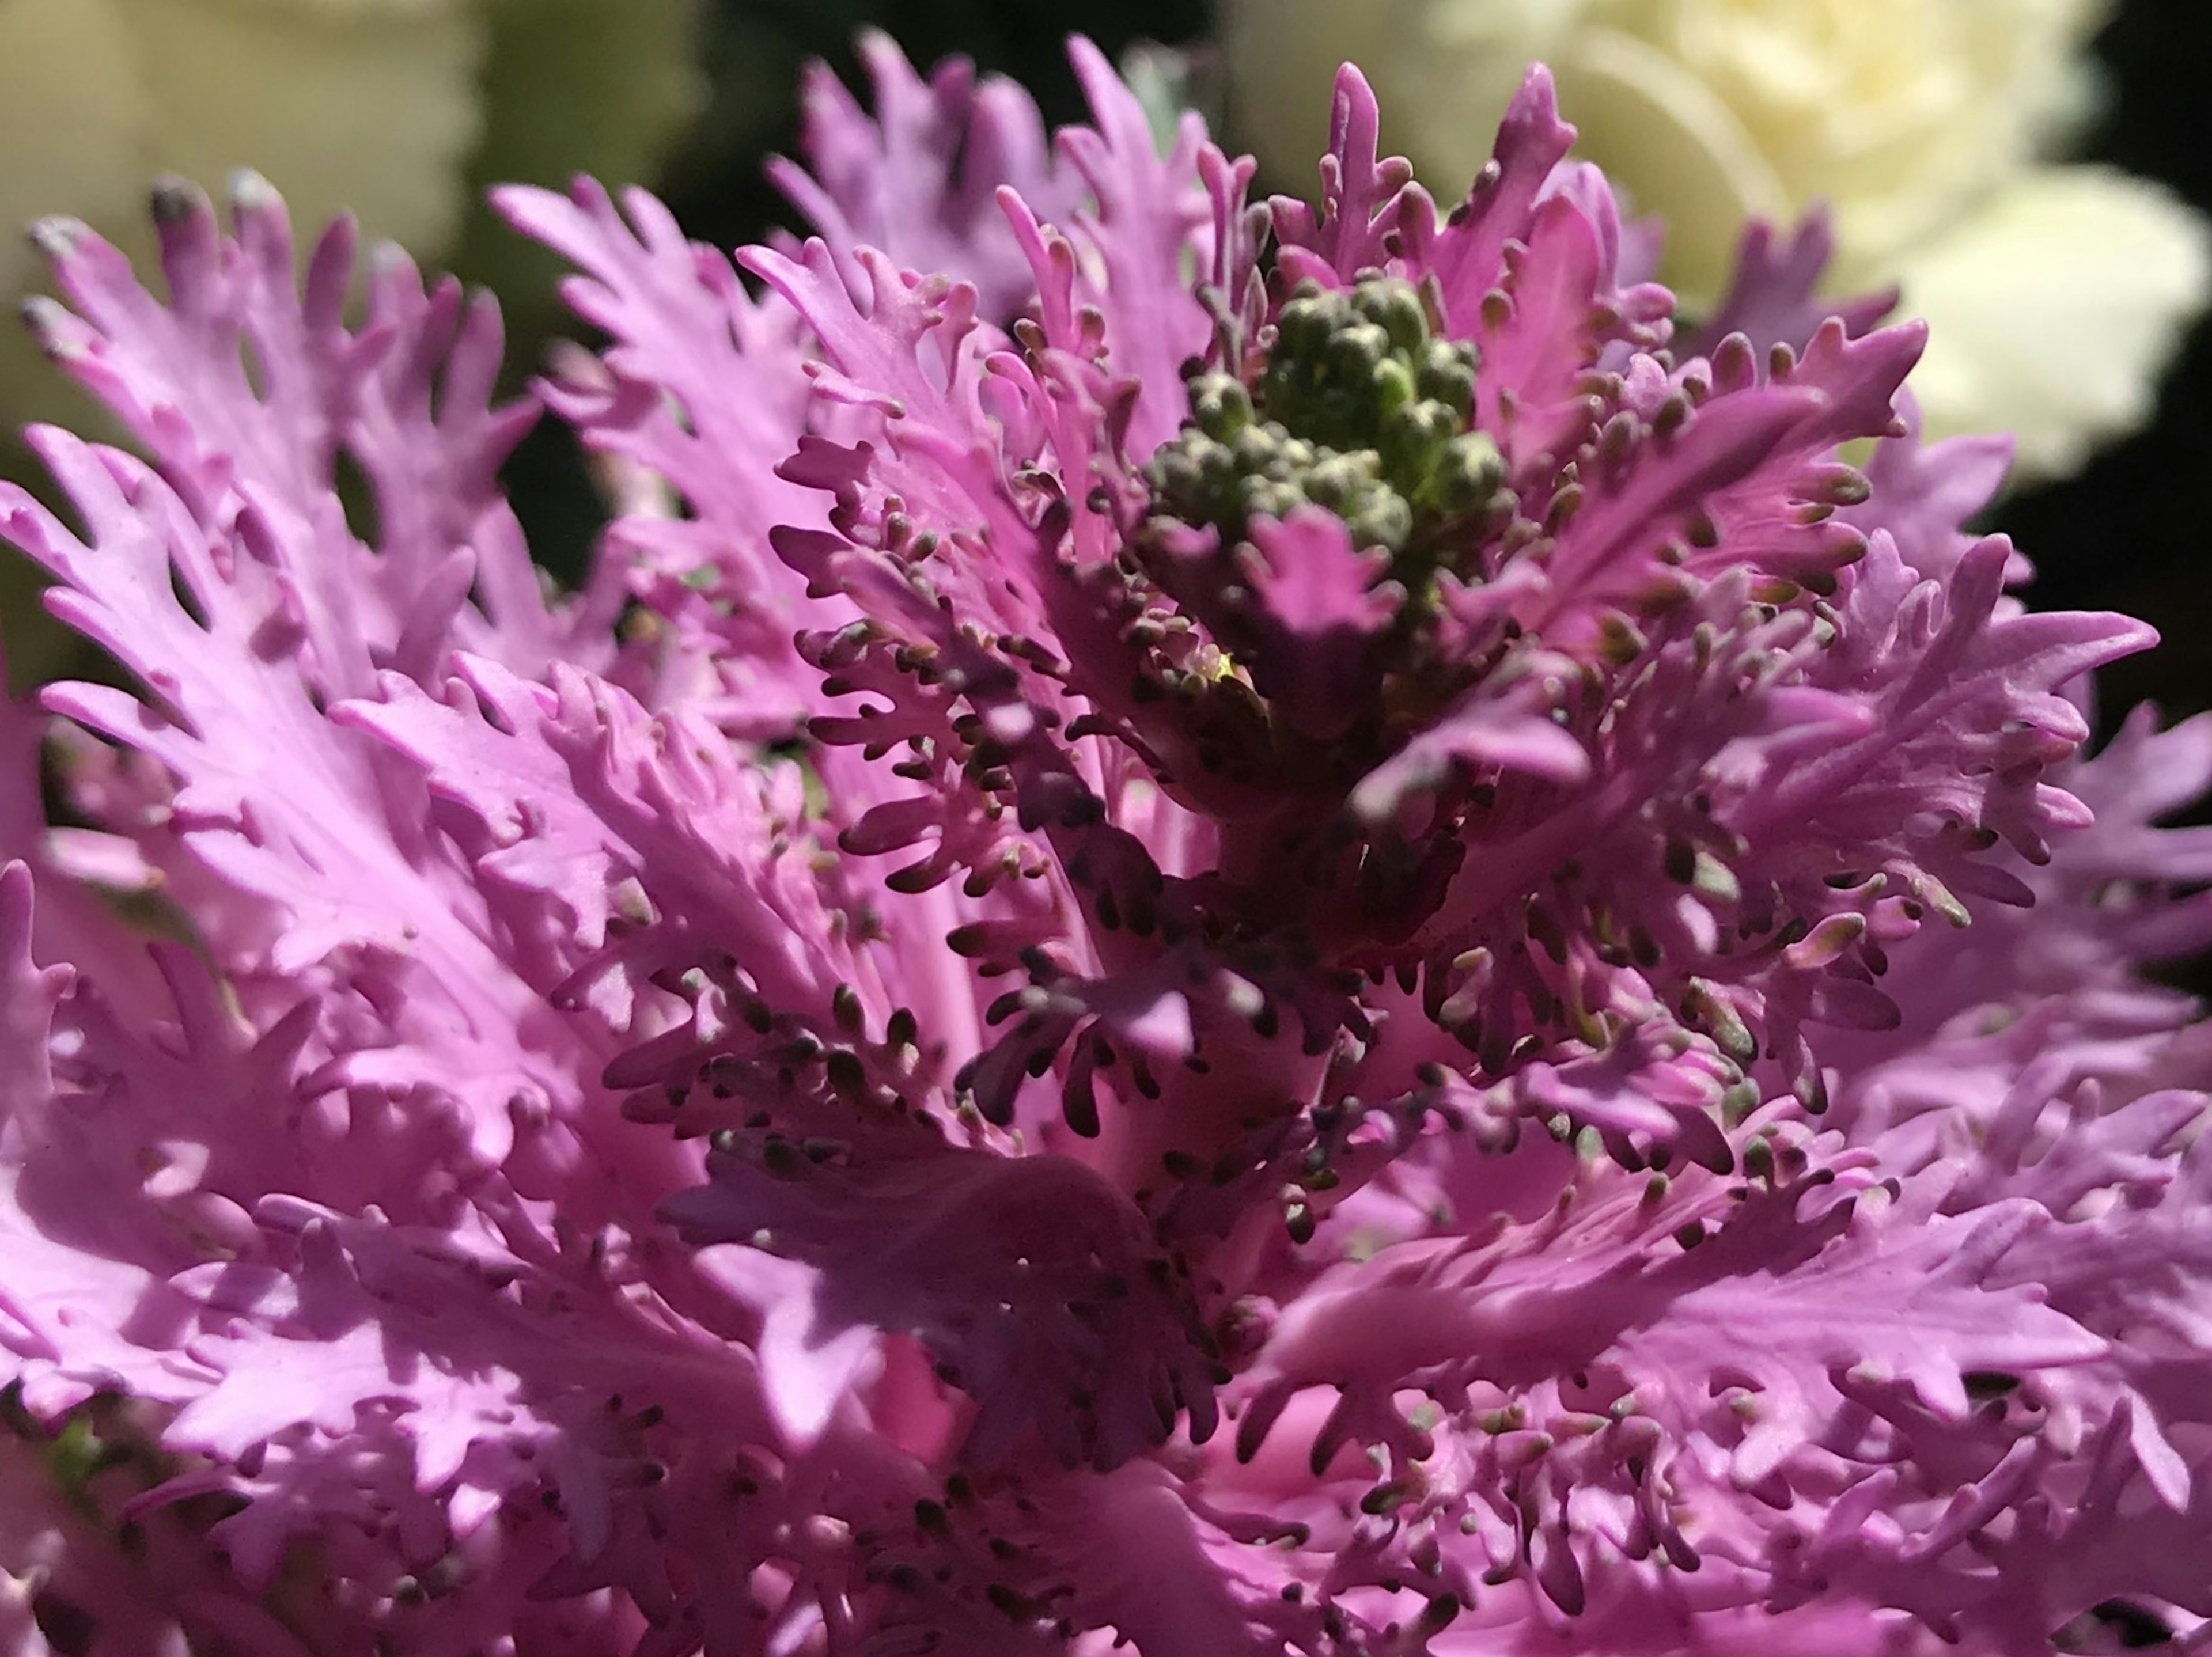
2054, 293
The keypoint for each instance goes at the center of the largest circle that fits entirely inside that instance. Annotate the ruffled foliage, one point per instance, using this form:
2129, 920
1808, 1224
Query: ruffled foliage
1240, 928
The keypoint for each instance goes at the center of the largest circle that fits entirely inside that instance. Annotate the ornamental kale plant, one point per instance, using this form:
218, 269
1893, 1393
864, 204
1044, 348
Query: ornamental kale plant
1238, 929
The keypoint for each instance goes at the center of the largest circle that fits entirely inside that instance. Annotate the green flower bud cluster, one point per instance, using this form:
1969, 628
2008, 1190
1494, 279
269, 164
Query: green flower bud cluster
1360, 410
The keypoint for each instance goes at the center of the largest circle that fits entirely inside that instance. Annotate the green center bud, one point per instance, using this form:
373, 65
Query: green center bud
1361, 410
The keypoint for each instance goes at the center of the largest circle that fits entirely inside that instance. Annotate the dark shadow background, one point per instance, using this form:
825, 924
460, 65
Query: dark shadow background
2132, 532
755, 50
